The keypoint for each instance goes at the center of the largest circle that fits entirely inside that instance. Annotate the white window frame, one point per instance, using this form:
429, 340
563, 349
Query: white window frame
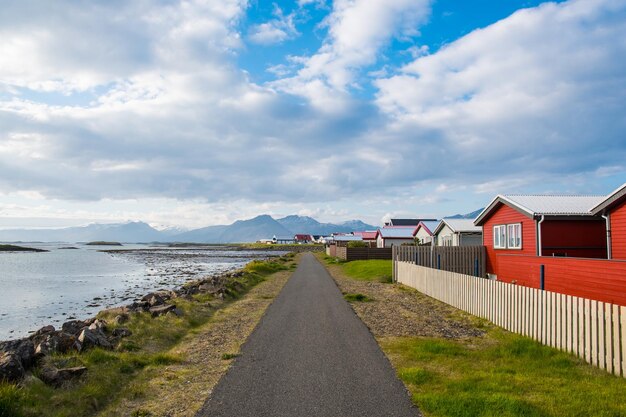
500, 242
512, 234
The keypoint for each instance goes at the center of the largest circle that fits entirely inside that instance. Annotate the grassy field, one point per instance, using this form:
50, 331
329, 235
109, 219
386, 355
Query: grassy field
496, 374
111, 372
372, 270
502, 374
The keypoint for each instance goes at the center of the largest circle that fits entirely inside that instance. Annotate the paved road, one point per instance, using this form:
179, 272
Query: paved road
310, 356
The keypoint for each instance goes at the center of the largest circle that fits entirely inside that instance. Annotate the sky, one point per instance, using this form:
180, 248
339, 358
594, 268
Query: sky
201, 112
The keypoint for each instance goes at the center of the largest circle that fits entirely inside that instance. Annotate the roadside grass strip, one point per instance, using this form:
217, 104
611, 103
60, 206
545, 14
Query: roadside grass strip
501, 374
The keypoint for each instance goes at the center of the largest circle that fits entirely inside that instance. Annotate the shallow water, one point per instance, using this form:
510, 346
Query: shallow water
43, 288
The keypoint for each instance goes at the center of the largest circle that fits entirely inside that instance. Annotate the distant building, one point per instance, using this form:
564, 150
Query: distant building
301, 238
389, 236
424, 232
457, 232
407, 222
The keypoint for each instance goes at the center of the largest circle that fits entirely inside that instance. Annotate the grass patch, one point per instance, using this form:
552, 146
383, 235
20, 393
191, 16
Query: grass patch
357, 297
10, 397
228, 356
126, 371
372, 270
502, 374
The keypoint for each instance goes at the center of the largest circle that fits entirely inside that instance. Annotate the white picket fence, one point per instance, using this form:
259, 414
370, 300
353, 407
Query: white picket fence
590, 329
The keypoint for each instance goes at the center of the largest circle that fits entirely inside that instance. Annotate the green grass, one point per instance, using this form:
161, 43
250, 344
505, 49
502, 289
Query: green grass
357, 297
502, 374
110, 373
372, 270
228, 356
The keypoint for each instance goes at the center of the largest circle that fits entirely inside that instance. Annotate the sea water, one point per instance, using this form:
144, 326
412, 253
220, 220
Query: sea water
40, 288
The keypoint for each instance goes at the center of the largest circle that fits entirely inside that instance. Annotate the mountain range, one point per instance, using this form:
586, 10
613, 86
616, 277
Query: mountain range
251, 230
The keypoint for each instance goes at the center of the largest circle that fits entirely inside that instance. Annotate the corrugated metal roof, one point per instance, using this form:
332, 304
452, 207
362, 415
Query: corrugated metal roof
407, 222
347, 238
612, 199
462, 225
431, 225
556, 204
397, 232
548, 205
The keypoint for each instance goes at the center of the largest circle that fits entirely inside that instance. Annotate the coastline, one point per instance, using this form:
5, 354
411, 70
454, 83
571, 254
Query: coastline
60, 358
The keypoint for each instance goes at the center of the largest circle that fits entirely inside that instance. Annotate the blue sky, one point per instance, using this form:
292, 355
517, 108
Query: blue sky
206, 111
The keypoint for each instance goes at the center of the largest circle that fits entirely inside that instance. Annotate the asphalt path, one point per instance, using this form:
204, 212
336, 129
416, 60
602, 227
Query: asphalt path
310, 356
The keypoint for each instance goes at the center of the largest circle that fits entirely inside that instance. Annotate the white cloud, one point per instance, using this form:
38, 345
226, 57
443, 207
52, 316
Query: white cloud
357, 30
540, 93
277, 30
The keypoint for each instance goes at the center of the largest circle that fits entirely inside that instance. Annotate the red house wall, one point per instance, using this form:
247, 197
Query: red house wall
597, 279
618, 232
506, 215
574, 238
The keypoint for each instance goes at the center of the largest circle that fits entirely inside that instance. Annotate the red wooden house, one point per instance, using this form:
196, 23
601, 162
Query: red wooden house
613, 210
541, 225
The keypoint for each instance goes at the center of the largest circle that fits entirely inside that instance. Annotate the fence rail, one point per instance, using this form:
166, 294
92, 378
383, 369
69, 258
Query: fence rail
468, 260
354, 254
590, 329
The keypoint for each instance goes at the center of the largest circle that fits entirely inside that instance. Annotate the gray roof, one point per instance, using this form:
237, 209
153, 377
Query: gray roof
431, 225
458, 225
547, 205
347, 238
612, 199
407, 222
397, 232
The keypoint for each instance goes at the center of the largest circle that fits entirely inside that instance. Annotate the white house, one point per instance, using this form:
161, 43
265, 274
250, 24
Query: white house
389, 236
424, 232
458, 232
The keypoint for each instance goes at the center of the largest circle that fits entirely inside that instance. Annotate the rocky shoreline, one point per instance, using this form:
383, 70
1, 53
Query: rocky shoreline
19, 357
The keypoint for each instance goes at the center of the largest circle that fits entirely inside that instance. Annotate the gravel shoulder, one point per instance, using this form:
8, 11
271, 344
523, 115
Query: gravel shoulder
181, 389
400, 311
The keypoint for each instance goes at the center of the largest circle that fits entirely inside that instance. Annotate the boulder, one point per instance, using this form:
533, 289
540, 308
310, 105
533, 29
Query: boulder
121, 319
43, 330
23, 348
11, 369
58, 377
74, 326
90, 338
98, 325
121, 332
61, 342
160, 310
177, 312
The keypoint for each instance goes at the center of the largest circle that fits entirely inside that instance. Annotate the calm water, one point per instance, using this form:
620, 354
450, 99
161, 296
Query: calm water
51, 287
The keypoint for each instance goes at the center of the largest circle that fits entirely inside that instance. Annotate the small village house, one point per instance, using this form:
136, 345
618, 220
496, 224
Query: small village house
424, 232
613, 210
541, 225
368, 237
390, 236
303, 238
457, 232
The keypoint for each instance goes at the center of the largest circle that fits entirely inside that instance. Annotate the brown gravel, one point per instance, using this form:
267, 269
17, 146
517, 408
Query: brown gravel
181, 389
397, 310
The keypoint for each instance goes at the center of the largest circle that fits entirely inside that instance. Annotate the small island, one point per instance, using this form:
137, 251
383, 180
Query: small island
14, 248
103, 243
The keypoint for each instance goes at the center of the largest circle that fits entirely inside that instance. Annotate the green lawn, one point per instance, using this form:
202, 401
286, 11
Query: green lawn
372, 270
502, 374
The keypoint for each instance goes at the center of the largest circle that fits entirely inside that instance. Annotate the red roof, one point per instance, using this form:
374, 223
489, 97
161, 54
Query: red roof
303, 237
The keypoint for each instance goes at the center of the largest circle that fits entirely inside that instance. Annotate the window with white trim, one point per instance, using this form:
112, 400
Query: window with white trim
499, 236
514, 236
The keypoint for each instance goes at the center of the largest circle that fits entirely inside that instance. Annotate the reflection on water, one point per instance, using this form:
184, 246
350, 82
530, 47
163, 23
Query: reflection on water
50, 287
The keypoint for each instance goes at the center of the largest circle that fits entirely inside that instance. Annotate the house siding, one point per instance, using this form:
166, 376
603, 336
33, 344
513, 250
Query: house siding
506, 215
423, 235
574, 238
445, 232
618, 231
